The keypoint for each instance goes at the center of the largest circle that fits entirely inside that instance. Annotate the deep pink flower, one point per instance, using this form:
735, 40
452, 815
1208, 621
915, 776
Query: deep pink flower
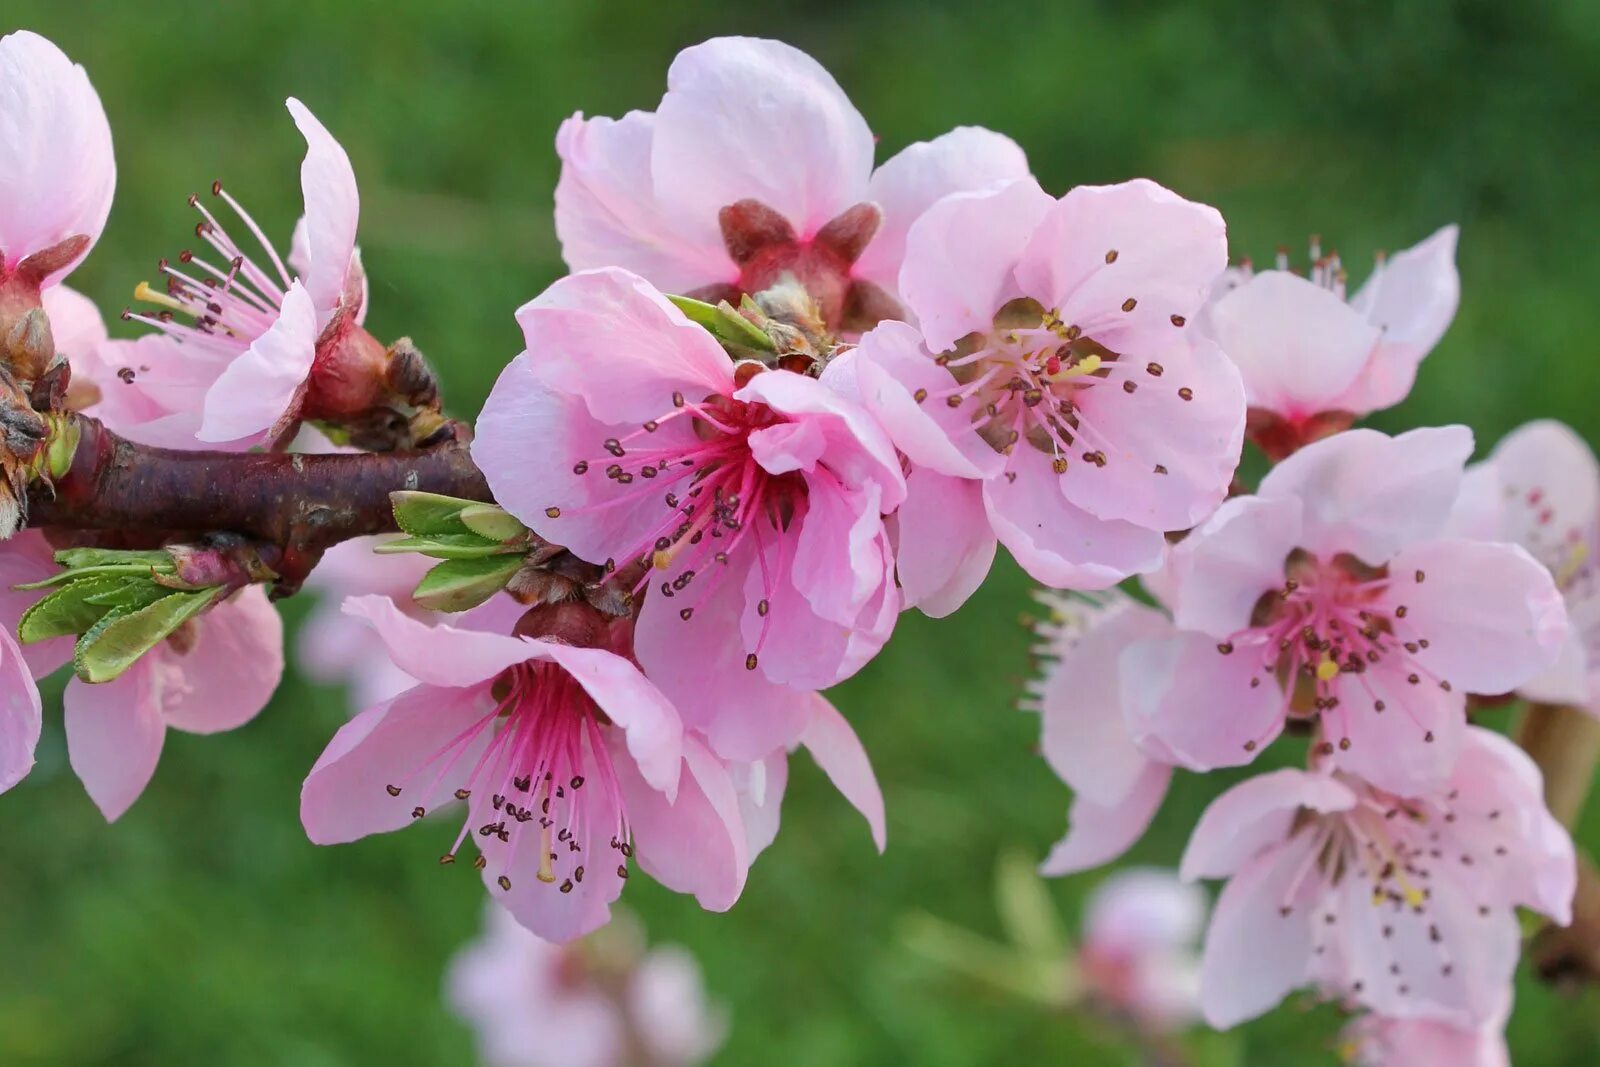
1052, 397
1403, 904
1140, 950
754, 501
215, 673
568, 760
1540, 488
1312, 362
1379, 1041
1117, 787
57, 172
1331, 594
604, 1002
253, 335
754, 165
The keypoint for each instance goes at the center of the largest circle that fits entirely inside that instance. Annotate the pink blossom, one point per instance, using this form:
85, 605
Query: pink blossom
21, 716
215, 673
1140, 955
754, 165
1379, 1041
752, 502
568, 758
1333, 594
1052, 398
1405, 905
254, 339
334, 647
1540, 488
603, 1002
1086, 738
1313, 361
57, 172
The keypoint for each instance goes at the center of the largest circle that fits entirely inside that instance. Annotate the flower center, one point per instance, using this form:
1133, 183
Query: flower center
537, 773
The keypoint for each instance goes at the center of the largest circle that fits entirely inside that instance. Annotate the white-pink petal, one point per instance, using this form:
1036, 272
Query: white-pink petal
260, 385
333, 208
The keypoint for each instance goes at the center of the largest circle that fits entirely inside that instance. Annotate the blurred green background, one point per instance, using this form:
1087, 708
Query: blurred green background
203, 928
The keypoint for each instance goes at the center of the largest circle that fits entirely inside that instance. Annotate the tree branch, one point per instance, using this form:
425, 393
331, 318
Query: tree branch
301, 503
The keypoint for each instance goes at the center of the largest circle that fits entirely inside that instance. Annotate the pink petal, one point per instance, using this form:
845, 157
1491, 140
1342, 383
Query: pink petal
1169, 460
56, 165
611, 338
838, 562
1220, 571
1057, 543
837, 750
1370, 494
729, 101
232, 670
945, 544
20, 713
1258, 946
697, 843
960, 254
1549, 488
1085, 737
1254, 816
441, 655
114, 736
346, 795
887, 370
1190, 704
333, 207
1099, 834
761, 786
648, 721
259, 386
913, 179
1412, 298
1101, 246
75, 324
1490, 613
607, 214
1297, 345
28, 557
1410, 746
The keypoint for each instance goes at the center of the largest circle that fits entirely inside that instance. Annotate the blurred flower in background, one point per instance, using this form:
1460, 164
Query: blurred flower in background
605, 1001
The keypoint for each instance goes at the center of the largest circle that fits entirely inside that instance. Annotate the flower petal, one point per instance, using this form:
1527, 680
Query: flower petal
695, 844
1190, 704
28, 557
231, 671
1220, 571
114, 736
260, 386
1098, 834
1412, 298
837, 750
333, 207
944, 543
20, 714
1408, 747
648, 720
1254, 816
442, 655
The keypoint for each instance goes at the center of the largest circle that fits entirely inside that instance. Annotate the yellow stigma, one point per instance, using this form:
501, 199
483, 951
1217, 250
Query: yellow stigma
1086, 365
1569, 566
1413, 896
1326, 670
145, 293
547, 873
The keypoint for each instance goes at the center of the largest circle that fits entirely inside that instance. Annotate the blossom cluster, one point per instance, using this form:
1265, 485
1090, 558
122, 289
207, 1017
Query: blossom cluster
786, 394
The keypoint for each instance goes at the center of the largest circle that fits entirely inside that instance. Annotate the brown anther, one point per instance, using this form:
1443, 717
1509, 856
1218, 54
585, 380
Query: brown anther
1111, 256
1129, 304
552, 512
392, 790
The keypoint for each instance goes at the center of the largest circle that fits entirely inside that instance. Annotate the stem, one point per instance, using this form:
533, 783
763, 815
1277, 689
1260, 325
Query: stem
301, 503
1565, 743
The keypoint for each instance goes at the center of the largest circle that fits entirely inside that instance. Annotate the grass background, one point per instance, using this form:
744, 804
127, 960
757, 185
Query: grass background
203, 928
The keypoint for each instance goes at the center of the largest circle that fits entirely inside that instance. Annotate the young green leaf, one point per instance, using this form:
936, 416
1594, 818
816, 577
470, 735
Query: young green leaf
68, 610
495, 523
445, 546
459, 584
117, 641
724, 323
428, 514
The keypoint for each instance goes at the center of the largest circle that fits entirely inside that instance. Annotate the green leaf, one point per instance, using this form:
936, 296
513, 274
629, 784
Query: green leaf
495, 523
446, 546
459, 584
72, 558
68, 610
724, 323
117, 641
428, 514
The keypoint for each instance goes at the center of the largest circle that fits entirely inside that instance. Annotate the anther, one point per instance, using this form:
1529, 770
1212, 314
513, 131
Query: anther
393, 790
750, 662
552, 512
1129, 304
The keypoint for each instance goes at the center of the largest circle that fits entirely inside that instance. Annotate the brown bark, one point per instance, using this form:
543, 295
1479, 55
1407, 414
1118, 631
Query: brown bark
1565, 743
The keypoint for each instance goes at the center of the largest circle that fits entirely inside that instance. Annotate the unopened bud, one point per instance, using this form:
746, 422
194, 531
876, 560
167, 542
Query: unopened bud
28, 346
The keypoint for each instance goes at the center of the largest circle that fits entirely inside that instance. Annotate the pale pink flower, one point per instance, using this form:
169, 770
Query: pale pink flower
1334, 594
754, 165
602, 1002
1140, 950
21, 716
568, 760
837, 750
57, 171
252, 336
1311, 360
1380, 1041
1052, 397
754, 501
1086, 739
215, 673
336, 648
1540, 488
1406, 905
